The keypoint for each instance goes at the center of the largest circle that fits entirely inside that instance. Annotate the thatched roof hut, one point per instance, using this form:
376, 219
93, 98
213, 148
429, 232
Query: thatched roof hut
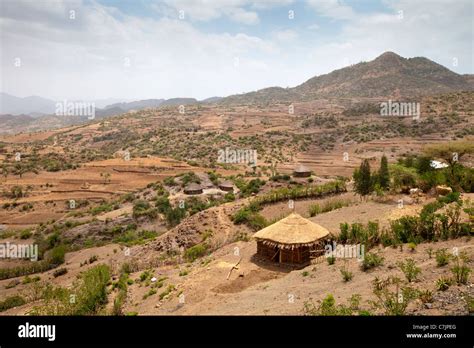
290, 240
193, 189
302, 171
226, 186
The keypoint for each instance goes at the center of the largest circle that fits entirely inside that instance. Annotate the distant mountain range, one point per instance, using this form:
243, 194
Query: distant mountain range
389, 75
38, 106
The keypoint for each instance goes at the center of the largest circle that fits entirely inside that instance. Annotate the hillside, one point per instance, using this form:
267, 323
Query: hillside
387, 76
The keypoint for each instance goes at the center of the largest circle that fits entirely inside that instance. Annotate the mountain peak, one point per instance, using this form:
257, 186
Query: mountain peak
389, 55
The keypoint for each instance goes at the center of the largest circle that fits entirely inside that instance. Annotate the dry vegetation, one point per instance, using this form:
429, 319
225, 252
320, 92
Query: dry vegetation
104, 202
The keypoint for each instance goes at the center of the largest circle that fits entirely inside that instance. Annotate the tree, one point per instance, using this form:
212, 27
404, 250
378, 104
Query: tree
5, 171
362, 178
451, 153
384, 175
20, 170
106, 177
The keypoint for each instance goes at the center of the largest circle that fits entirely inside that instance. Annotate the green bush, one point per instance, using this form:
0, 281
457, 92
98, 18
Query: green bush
442, 257
59, 272
56, 255
143, 208
328, 307
166, 292
371, 261
409, 269
194, 252
89, 292
461, 270
346, 275
12, 301
92, 291
392, 298
443, 283
229, 197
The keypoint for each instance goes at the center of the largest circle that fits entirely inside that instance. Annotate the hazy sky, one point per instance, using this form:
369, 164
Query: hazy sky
139, 49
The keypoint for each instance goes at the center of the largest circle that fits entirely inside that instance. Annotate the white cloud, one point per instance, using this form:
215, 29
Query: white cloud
313, 26
286, 35
86, 57
103, 53
335, 9
205, 10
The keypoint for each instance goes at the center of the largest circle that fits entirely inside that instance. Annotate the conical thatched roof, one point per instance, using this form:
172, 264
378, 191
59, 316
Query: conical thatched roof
292, 231
302, 169
226, 183
193, 187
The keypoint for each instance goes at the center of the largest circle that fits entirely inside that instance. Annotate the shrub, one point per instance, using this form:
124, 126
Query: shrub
12, 301
174, 216
149, 293
28, 279
145, 275
56, 255
229, 197
331, 260
314, 209
122, 285
143, 208
194, 252
92, 291
89, 291
392, 302
461, 270
59, 272
443, 283
409, 269
346, 275
442, 257
166, 292
25, 234
412, 246
328, 307
429, 251
371, 261
425, 296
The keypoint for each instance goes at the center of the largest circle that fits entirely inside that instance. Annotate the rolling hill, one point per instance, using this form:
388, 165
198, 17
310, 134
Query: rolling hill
389, 75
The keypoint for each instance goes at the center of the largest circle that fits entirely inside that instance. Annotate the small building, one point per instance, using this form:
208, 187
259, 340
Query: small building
302, 171
226, 186
193, 189
438, 165
290, 240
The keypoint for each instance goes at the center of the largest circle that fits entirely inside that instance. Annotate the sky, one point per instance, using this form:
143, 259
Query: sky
138, 49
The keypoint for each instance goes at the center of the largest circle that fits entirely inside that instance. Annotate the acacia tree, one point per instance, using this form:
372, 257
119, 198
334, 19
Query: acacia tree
363, 179
452, 153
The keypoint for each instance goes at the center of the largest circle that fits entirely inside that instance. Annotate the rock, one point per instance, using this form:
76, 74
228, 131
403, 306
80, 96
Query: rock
153, 279
443, 190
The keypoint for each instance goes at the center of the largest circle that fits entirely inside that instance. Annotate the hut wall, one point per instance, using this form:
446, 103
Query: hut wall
226, 188
295, 256
192, 192
302, 174
266, 251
